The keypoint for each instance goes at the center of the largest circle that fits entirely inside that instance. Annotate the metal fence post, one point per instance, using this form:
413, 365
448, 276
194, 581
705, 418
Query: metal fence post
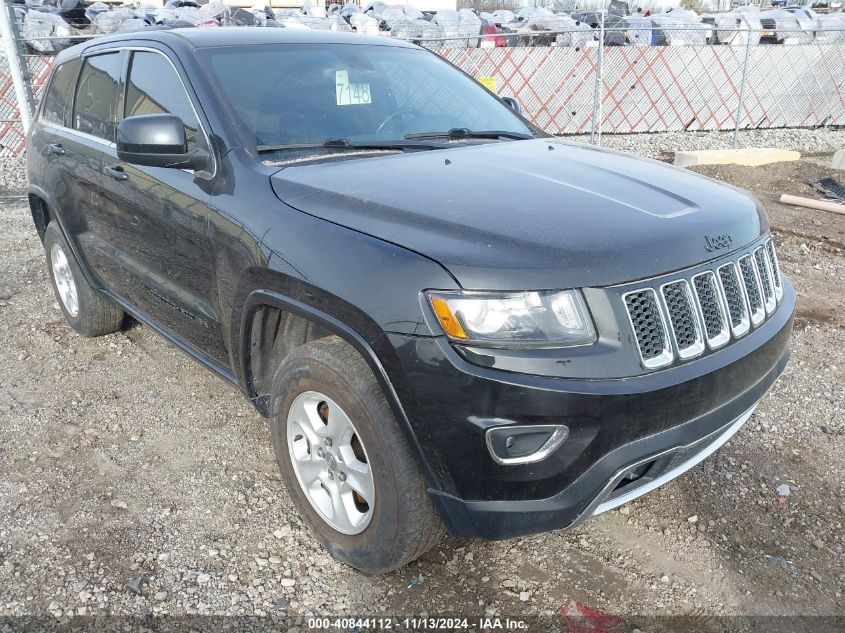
14, 57
742, 83
595, 132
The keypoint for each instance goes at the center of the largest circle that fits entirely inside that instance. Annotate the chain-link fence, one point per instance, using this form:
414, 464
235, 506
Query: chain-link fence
36, 71
601, 75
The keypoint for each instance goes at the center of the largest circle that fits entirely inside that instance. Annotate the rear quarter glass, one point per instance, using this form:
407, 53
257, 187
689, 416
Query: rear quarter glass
57, 101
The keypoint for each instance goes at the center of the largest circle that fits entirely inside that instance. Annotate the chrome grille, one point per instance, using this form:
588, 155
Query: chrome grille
765, 274
711, 309
686, 328
703, 311
773, 261
649, 328
751, 283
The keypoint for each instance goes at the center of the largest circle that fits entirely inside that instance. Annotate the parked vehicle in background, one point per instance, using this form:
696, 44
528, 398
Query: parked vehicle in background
295, 209
785, 27
494, 34
49, 27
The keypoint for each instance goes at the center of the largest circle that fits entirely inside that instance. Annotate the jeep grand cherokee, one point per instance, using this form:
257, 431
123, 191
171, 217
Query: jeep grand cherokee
450, 318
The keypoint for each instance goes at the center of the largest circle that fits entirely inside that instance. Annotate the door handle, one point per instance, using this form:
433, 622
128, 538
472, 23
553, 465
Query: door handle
116, 173
57, 149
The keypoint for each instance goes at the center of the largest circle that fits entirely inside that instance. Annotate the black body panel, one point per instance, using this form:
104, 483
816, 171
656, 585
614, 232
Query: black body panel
558, 216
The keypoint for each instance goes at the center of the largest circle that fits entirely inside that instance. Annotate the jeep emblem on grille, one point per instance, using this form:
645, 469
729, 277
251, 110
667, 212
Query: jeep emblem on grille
717, 242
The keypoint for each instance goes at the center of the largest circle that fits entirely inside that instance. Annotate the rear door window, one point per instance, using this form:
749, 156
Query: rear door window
96, 96
154, 87
58, 98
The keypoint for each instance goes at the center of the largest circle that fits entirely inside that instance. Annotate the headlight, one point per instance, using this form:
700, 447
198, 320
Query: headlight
540, 319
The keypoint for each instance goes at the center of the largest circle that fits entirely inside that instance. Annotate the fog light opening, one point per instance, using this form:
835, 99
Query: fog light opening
524, 444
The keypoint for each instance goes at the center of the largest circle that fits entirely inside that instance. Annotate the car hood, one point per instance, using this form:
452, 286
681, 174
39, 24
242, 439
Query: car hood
529, 214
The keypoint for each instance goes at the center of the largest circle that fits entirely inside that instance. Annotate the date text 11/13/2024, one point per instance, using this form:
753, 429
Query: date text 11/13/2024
418, 624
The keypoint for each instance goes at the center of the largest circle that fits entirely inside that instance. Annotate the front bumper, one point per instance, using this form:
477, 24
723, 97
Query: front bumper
660, 469
668, 420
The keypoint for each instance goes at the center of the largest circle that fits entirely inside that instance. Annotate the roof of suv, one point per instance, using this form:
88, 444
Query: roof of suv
237, 36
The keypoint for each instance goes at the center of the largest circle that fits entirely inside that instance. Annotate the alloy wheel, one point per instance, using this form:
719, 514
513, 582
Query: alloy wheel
65, 283
330, 462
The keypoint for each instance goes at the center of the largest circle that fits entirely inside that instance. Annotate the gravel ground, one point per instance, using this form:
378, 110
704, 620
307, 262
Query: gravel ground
662, 145
13, 175
134, 482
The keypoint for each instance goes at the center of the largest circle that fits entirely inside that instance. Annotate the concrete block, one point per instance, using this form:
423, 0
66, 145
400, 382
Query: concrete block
750, 157
839, 159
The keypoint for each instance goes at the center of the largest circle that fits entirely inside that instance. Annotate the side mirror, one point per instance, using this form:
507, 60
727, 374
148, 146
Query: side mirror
157, 140
513, 104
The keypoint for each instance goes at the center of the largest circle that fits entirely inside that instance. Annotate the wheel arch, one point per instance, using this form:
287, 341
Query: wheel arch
42, 210
324, 324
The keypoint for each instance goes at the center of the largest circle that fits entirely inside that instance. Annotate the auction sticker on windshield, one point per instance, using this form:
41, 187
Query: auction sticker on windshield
350, 93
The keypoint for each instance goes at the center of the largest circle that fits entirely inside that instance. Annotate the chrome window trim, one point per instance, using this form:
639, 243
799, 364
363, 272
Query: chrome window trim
724, 334
745, 325
697, 348
84, 135
667, 355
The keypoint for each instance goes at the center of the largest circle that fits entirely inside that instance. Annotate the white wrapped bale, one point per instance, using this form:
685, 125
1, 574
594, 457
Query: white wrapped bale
432, 35
314, 10
364, 24
214, 10
459, 27
132, 24
407, 29
38, 25
110, 21
337, 23
682, 27
830, 28
292, 22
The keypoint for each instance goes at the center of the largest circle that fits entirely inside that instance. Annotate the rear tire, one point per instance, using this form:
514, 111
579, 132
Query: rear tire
317, 389
85, 310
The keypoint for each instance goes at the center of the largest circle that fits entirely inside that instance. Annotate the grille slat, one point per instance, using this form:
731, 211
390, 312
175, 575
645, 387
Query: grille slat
649, 328
775, 266
706, 310
765, 275
751, 283
734, 296
683, 318
711, 309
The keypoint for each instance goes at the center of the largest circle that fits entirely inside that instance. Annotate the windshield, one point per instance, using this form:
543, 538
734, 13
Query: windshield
308, 94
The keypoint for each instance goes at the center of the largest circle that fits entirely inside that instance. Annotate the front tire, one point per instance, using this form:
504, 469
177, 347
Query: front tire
345, 462
85, 310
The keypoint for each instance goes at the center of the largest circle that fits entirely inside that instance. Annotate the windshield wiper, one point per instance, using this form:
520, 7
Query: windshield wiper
345, 144
457, 133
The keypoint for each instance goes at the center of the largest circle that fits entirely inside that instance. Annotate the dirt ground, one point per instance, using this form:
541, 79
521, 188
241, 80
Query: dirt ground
134, 482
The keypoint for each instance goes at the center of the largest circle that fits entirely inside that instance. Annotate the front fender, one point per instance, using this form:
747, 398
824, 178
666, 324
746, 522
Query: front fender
261, 298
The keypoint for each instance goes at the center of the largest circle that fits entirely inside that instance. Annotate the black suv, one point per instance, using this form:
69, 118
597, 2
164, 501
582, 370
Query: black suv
449, 317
